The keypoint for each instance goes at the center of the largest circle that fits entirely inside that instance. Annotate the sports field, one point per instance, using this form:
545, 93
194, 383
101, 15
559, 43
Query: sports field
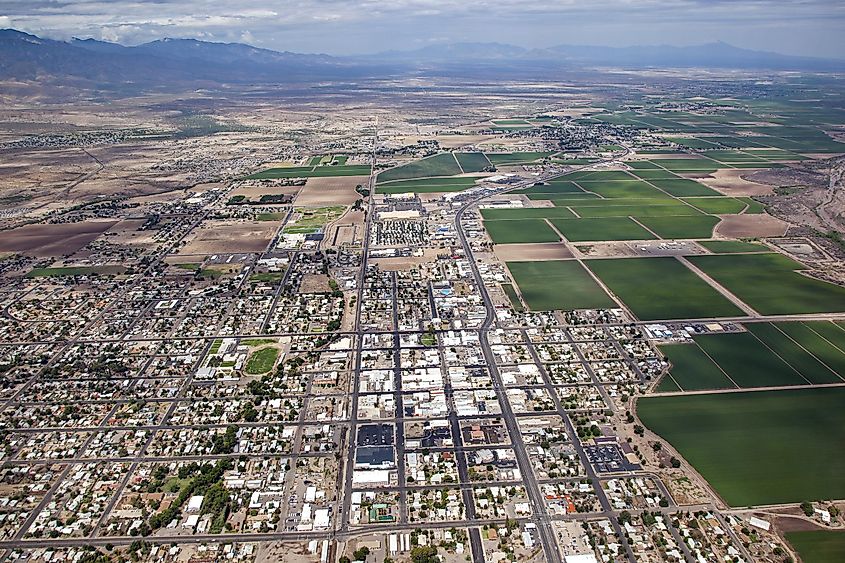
770, 284
760, 447
520, 230
818, 546
558, 284
661, 288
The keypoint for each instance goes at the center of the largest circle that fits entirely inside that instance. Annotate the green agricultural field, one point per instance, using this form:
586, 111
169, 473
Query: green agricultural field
311, 172
428, 185
686, 227
312, 219
682, 187
748, 361
532, 213
520, 231
671, 208
472, 161
514, 158
558, 284
552, 187
688, 164
818, 338
769, 284
717, 205
642, 165
693, 143
443, 164
818, 546
261, 361
604, 228
510, 291
832, 332
622, 188
802, 361
656, 174
76, 271
599, 176
661, 288
732, 246
692, 370
758, 448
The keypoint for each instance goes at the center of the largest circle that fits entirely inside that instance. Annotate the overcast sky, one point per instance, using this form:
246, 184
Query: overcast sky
804, 27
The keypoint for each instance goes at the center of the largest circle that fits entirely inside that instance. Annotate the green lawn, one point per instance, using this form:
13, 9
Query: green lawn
758, 448
818, 546
661, 288
520, 230
684, 227
604, 228
443, 164
558, 284
261, 361
768, 283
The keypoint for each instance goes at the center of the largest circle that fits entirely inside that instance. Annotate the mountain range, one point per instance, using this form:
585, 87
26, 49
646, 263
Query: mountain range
179, 63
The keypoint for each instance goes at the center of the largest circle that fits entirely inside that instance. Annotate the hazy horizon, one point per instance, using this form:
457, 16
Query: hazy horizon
342, 27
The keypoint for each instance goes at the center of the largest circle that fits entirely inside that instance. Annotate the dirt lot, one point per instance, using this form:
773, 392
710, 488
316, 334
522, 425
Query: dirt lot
532, 252
750, 226
338, 190
606, 249
347, 229
256, 191
221, 237
730, 182
406, 262
315, 283
52, 240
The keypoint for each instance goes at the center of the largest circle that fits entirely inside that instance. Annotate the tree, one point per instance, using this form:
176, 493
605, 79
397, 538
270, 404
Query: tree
360, 554
807, 507
424, 554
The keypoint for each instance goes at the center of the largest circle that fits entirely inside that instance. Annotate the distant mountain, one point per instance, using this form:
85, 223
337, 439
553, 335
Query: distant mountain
178, 64
167, 63
711, 55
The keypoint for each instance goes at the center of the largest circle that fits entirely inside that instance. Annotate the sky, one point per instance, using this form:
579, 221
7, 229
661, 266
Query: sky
339, 27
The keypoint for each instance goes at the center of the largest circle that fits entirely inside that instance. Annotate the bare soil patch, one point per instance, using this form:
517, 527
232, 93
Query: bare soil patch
606, 249
54, 239
406, 262
751, 226
332, 190
255, 192
314, 283
730, 181
220, 237
532, 252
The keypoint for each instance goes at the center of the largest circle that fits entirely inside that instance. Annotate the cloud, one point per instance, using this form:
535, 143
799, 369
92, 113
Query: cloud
344, 26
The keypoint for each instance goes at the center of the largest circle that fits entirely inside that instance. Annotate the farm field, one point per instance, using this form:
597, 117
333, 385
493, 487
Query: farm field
311, 171
769, 283
761, 447
717, 205
661, 288
520, 231
427, 185
533, 213
600, 229
472, 161
443, 164
684, 227
692, 370
819, 339
748, 361
514, 158
682, 187
558, 284
810, 367
818, 546
732, 246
